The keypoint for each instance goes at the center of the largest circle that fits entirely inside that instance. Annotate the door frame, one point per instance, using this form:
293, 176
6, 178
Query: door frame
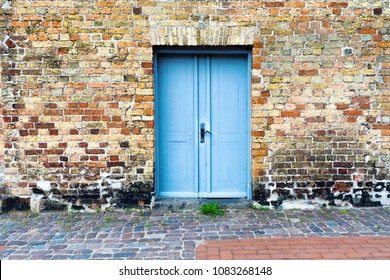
247, 51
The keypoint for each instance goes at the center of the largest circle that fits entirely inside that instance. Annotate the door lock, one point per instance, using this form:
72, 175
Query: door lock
203, 132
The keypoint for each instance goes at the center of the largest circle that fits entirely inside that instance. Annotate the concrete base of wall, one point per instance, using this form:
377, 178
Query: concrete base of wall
195, 203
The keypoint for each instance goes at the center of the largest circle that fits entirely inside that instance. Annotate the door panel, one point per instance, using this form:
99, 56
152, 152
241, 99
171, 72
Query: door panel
177, 155
229, 126
196, 89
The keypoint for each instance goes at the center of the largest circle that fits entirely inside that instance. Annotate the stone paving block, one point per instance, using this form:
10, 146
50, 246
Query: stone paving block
177, 242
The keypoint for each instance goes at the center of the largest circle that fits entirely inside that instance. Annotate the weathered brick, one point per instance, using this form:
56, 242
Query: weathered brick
116, 163
295, 4
384, 44
290, 113
378, 11
308, 72
338, 4
367, 31
44, 125
258, 133
273, 4
53, 164
53, 151
95, 151
78, 87
353, 112
33, 152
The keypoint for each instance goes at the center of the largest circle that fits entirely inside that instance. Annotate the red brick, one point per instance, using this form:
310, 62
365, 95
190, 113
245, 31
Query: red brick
54, 152
33, 152
258, 45
258, 133
380, 126
114, 158
150, 124
12, 72
83, 105
94, 112
62, 145
341, 106
338, 4
384, 44
116, 124
377, 11
295, 4
42, 145
273, 4
44, 125
53, 131
125, 131
94, 131
73, 112
22, 184
265, 93
386, 65
259, 100
18, 106
97, 85
291, 113
95, 151
10, 44
76, 85
62, 51
147, 64
53, 164
312, 72
23, 132
51, 105
83, 144
364, 99
353, 113
367, 31
226, 255
52, 112
365, 106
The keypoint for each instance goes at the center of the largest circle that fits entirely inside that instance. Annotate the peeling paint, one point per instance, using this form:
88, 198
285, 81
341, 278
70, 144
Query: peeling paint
324, 194
6, 5
44, 185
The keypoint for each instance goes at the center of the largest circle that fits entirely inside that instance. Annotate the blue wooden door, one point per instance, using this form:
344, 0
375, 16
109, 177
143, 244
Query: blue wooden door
202, 126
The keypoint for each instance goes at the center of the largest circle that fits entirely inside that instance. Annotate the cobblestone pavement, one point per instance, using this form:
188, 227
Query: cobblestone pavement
170, 234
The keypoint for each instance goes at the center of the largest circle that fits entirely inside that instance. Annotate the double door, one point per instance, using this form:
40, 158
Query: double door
202, 125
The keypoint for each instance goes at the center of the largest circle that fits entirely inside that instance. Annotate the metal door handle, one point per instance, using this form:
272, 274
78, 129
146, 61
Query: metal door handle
203, 132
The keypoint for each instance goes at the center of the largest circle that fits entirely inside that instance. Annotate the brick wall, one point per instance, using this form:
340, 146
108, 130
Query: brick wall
78, 98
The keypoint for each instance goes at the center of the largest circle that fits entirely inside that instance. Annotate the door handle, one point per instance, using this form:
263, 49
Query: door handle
203, 132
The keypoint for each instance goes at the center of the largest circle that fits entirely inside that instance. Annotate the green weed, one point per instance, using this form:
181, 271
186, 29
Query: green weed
211, 209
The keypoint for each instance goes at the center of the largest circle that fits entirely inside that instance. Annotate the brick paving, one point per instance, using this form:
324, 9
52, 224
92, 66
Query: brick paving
315, 248
187, 234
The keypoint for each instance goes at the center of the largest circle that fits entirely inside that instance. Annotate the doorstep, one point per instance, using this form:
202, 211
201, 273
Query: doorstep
162, 204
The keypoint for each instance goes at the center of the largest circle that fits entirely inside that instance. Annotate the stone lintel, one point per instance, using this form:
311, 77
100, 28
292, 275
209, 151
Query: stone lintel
209, 36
